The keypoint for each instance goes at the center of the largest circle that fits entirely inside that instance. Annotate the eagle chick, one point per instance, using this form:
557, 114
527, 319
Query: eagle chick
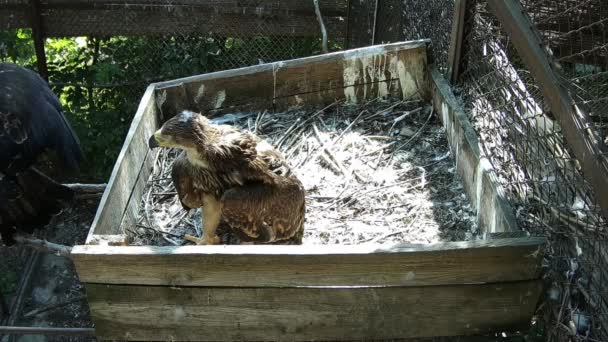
235, 176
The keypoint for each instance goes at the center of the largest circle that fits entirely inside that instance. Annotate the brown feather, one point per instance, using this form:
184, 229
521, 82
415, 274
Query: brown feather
260, 197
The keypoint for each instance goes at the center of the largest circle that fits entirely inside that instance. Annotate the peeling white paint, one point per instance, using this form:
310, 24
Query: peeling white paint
375, 73
407, 82
179, 313
219, 99
350, 75
199, 93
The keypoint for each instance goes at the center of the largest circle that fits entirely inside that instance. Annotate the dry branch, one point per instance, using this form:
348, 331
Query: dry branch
87, 188
44, 246
322, 24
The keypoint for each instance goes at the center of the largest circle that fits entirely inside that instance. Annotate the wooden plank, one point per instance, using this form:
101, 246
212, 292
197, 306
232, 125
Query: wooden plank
134, 204
457, 39
228, 89
262, 314
340, 74
405, 62
579, 132
494, 213
38, 35
126, 169
183, 20
325, 265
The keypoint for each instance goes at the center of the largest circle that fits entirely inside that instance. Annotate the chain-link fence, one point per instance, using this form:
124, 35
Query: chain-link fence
431, 19
102, 55
524, 142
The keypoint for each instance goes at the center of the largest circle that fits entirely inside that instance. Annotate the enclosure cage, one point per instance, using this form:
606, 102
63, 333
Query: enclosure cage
529, 76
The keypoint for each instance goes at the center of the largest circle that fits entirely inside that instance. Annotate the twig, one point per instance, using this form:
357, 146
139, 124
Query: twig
11, 330
417, 132
53, 306
45, 246
332, 160
87, 188
323, 30
159, 231
401, 231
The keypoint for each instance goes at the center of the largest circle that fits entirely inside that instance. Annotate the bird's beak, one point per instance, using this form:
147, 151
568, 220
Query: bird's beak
153, 143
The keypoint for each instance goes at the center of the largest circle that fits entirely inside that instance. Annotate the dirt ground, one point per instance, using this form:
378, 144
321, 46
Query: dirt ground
53, 281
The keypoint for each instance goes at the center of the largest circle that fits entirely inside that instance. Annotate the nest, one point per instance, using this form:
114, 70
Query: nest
379, 172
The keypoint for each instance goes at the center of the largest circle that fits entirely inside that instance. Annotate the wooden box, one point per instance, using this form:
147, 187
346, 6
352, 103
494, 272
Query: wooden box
328, 292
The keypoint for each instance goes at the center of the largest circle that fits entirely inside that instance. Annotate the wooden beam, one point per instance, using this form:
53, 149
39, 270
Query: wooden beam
579, 132
494, 213
47, 331
126, 170
38, 35
261, 314
463, 11
471, 262
358, 74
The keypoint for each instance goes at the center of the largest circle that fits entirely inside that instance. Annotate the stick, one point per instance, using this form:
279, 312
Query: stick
418, 132
323, 30
159, 231
53, 306
334, 163
47, 331
45, 246
87, 188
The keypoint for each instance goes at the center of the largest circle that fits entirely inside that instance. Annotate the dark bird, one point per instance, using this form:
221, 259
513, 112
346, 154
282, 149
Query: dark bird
234, 176
32, 123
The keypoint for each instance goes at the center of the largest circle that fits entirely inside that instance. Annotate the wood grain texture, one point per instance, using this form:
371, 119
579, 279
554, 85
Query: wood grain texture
494, 213
354, 75
133, 206
228, 314
126, 169
333, 265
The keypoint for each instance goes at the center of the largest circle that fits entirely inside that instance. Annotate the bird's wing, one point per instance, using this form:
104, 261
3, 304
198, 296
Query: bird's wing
235, 156
31, 121
265, 212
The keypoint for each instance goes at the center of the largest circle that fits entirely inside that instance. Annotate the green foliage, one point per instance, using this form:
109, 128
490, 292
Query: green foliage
100, 81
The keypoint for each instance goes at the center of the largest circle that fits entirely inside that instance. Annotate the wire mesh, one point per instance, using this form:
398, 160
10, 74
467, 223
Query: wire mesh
525, 146
577, 34
101, 75
432, 20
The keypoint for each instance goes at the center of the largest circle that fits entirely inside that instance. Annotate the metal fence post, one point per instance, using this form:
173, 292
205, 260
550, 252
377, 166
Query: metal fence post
38, 33
462, 15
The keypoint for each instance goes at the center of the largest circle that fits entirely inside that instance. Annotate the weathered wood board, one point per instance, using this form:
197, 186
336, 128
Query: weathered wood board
355, 75
304, 314
494, 214
467, 262
126, 169
329, 292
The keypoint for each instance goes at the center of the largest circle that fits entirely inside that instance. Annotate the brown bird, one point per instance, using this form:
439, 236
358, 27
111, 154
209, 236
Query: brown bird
235, 176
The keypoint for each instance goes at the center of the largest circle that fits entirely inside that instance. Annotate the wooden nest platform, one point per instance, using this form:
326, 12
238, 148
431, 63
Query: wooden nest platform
376, 172
396, 186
